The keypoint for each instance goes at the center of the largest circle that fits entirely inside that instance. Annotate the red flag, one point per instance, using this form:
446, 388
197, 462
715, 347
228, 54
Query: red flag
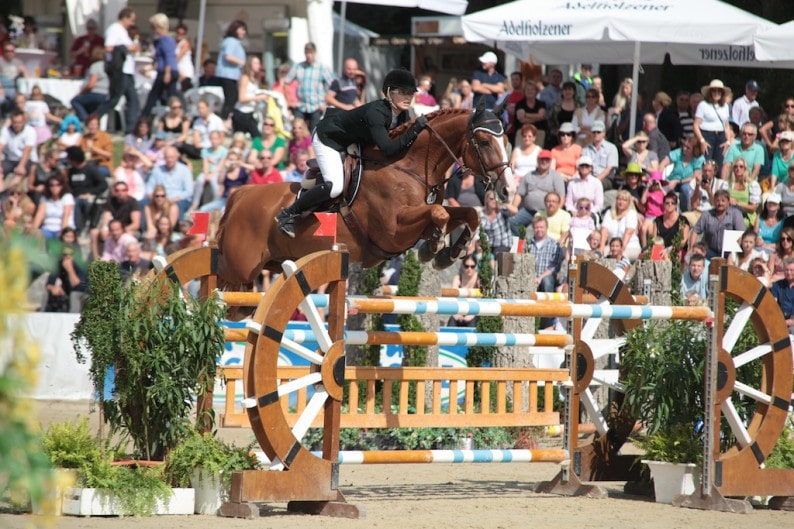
201, 223
327, 226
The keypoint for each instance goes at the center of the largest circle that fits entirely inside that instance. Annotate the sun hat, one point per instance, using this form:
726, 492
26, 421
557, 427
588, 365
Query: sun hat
567, 127
585, 160
633, 168
774, 197
715, 83
545, 153
488, 56
656, 176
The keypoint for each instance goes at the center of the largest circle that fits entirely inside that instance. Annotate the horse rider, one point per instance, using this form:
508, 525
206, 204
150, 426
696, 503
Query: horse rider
368, 124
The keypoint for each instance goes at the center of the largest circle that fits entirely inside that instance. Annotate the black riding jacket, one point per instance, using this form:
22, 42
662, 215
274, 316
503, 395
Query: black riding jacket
368, 124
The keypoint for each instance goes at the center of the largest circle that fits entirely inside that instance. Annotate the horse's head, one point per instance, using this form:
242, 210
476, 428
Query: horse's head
489, 141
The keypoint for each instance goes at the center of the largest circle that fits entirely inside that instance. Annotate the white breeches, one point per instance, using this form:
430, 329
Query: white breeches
330, 162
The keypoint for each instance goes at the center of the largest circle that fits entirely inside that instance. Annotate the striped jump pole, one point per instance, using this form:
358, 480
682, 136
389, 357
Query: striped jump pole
469, 339
551, 310
374, 457
392, 290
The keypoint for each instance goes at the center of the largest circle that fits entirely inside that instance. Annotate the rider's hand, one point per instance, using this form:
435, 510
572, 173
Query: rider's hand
420, 123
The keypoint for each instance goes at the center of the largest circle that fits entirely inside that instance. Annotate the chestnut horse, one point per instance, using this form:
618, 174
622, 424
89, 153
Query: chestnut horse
399, 202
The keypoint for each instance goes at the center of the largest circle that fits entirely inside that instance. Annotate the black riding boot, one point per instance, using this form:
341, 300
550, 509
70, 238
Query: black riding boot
307, 201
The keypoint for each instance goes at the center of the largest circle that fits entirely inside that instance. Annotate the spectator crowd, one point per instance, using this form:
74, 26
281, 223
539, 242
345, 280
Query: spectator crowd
699, 163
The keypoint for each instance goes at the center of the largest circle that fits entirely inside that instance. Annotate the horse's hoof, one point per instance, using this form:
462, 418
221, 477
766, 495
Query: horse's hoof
425, 253
443, 260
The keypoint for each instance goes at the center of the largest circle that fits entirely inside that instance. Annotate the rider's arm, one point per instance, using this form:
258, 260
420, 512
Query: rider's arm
380, 134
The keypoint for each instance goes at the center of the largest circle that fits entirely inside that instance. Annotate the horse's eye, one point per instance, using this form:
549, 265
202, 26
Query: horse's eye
485, 144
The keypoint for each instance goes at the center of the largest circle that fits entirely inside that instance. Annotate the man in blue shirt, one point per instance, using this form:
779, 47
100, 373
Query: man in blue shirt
695, 279
344, 92
175, 177
487, 83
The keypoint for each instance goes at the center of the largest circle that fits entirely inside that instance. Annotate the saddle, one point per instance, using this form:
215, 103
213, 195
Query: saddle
353, 167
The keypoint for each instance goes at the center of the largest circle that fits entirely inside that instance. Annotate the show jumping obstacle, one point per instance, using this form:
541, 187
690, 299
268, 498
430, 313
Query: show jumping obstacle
310, 481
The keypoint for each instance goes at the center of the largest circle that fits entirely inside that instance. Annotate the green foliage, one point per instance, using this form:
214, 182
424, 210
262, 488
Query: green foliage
408, 285
782, 455
483, 355
97, 332
414, 438
164, 349
209, 453
70, 445
676, 444
663, 373
137, 488
24, 467
168, 355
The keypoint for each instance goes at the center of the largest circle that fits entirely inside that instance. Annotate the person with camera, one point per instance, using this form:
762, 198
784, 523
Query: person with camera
705, 185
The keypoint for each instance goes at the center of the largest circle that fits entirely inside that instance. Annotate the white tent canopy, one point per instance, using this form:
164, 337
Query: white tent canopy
776, 43
631, 31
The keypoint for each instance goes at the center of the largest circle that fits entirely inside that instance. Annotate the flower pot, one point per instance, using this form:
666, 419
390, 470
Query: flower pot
52, 502
210, 491
93, 502
670, 479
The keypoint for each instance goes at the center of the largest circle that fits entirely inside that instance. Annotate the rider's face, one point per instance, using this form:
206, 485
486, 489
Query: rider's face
401, 99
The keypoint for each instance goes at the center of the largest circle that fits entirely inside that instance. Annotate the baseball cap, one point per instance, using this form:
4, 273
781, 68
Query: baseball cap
598, 126
752, 85
774, 197
787, 135
545, 153
567, 127
585, 160
488, 56
160, 135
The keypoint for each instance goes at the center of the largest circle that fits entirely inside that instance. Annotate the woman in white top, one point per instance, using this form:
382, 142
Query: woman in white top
56, 209
524, 158
711, 121
621, 221
184, 58
583, 117
243, 119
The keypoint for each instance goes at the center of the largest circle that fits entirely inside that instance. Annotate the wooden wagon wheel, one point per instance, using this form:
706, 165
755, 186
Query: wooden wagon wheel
296, 475
599, 460
739, 469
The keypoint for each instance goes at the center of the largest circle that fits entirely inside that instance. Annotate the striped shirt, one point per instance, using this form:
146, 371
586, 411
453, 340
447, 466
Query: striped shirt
313, 83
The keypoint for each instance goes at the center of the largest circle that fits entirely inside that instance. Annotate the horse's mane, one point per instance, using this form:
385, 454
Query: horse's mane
397, 131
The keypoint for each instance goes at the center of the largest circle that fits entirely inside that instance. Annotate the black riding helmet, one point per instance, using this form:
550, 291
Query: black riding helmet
399, 79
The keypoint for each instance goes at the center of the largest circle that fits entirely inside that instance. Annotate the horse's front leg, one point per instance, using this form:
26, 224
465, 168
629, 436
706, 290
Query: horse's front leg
429, 222
458, 216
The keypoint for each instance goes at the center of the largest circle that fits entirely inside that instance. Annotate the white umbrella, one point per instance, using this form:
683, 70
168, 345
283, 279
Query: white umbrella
776, 43
451, 7
560, 31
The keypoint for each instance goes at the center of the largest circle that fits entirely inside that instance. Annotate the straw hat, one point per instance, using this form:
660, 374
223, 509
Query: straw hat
717, 84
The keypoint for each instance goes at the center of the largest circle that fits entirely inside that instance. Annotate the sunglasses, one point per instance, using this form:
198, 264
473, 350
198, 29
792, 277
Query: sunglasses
642, 141
269, 124
785, 238
470, 266
566, 134
15, 193
669, 203
265, 157
121, 190
159, 196
789, 106
54, 185
176, 107
591, 97
584, 208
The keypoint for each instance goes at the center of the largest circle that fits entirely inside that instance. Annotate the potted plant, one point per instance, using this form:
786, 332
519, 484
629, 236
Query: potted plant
97, 486
206, 463
164, 349
662, 369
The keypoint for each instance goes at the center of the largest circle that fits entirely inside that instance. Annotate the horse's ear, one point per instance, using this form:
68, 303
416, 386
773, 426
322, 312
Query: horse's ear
480, 107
